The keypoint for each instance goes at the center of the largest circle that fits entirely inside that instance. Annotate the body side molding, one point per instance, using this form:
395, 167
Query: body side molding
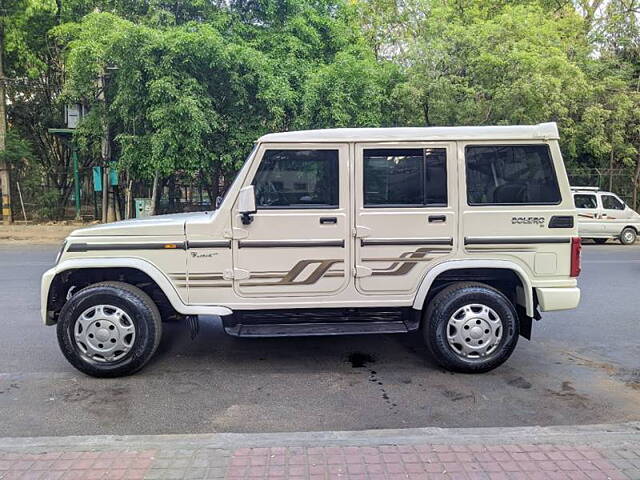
431, 275
447, 241
209, 244
514, 240
87, 247
289, 243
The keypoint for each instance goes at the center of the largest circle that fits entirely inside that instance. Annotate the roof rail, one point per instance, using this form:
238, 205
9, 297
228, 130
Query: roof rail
589, 189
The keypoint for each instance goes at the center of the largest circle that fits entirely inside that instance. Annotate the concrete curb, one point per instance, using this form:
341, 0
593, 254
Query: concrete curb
604, 435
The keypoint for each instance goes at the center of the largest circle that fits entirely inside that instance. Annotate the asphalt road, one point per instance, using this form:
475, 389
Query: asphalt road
582, 367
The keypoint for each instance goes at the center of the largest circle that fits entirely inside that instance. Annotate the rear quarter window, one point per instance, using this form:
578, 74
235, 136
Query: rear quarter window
511, 175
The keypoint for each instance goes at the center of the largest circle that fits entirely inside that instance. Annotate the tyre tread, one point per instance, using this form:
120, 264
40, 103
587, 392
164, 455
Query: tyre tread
436, 346
123, 290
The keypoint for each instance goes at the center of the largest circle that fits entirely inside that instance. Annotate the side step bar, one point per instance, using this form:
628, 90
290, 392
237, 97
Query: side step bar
315, 329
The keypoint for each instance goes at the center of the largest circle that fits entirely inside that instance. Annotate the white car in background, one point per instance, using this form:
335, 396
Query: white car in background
603, 216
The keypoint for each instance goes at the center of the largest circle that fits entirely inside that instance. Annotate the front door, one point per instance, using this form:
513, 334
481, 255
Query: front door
405, 213
614, 216
297, 243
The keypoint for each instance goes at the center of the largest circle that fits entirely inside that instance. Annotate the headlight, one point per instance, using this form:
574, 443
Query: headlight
60, 252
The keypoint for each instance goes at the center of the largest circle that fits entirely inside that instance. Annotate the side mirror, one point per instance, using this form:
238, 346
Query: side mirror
247, 204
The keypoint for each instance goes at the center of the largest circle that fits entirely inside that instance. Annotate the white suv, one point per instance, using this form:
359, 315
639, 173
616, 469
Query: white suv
603, 216
463, 233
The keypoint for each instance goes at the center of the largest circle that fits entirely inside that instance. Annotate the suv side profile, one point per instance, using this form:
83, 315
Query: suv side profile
462, 233
603, 216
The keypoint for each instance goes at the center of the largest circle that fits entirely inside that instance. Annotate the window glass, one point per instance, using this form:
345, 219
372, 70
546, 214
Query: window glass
297, 179
511, 174
611, 203
410, 177
585, 201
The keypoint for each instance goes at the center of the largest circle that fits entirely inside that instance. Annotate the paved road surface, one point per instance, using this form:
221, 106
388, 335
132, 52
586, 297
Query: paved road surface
582, 367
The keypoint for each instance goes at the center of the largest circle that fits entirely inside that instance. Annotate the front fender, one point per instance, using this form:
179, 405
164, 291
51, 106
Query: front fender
429, 278
136, 263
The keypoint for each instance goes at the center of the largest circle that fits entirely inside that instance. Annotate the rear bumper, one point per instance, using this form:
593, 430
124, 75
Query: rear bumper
561, 298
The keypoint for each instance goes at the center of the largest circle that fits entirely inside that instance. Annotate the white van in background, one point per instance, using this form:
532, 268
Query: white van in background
603, 216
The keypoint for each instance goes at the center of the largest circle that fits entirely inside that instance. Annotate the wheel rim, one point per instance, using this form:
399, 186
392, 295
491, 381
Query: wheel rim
628, 236
474, 331
104, 333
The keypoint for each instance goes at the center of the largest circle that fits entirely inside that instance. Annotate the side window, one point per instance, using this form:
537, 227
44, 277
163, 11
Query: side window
405, 177
297, 179
585, 201
511, 175
610, 202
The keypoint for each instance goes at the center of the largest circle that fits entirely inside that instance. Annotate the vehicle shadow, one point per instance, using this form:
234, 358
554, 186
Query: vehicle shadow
212, 344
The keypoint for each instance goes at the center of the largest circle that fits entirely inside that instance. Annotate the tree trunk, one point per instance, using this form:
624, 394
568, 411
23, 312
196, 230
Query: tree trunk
111, 211
154, 194
105, 192
106, 153
172, 193
116, 204
611, 171
5, 174
636, 179
425, 111
129, 200
212, 185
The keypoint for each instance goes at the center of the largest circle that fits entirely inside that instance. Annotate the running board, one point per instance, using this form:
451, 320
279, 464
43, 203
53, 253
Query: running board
315, 329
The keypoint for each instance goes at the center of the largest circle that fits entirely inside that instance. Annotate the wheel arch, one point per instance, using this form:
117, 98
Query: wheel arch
437, 274
82, 272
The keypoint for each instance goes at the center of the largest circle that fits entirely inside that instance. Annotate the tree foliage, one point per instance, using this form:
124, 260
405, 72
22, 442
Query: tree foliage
185, 86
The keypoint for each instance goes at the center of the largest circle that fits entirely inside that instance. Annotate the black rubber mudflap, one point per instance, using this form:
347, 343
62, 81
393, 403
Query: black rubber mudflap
193, 322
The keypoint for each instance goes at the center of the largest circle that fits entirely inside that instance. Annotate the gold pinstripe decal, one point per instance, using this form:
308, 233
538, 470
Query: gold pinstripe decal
291, 277
400, 265
405, 262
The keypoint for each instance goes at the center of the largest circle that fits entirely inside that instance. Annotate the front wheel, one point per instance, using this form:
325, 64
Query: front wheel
109, 329
628, 236
470, 327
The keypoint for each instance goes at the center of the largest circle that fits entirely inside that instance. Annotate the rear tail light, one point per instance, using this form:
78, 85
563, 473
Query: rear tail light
576, 249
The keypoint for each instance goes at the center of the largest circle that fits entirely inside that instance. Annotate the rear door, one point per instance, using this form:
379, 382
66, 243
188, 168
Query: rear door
517, 205
588, 215
405, 213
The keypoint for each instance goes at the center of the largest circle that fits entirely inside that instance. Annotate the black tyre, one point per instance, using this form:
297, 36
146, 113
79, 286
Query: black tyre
109, 329
470, 327
628, 236
600, 241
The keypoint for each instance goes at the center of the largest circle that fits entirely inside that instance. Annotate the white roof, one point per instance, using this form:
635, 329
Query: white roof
542, 131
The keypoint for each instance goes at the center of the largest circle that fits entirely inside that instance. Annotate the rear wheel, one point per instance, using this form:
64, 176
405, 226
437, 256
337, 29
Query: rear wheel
109, 329
600, 241
628, 236
470, 327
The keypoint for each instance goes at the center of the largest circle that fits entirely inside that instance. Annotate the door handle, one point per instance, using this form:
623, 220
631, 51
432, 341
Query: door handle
328, 220
437, 218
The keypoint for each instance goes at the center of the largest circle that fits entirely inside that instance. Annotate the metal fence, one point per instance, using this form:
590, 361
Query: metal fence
617, 180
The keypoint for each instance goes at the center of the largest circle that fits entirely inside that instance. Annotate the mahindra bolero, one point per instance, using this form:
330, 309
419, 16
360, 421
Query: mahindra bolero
464, 234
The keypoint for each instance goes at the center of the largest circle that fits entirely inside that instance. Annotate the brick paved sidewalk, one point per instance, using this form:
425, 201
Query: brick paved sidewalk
597, 452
